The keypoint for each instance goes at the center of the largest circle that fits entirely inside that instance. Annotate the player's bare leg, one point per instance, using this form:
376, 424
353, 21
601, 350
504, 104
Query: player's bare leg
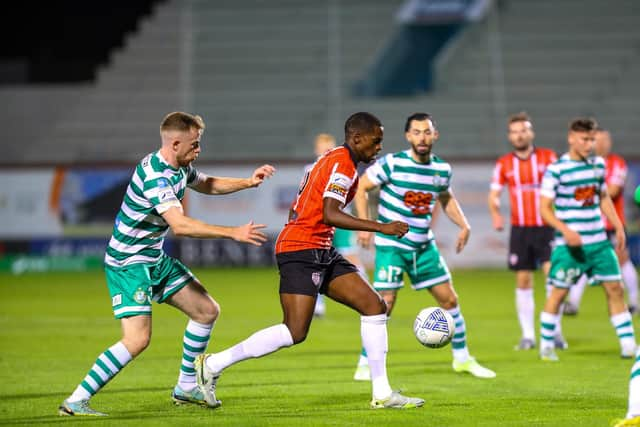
629, 278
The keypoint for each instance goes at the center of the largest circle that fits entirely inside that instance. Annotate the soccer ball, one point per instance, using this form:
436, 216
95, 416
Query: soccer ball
433, 327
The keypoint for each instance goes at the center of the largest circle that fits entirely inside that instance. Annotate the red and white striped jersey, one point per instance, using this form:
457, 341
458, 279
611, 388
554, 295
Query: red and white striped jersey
523, 178
615, 174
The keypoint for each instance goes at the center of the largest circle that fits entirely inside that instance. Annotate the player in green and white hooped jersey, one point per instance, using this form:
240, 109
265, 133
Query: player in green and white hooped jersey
572, 200
411, 182
633, 407
139, 272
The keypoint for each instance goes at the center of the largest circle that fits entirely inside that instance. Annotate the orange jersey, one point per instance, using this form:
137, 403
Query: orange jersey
333, 175
523, 177
615, 174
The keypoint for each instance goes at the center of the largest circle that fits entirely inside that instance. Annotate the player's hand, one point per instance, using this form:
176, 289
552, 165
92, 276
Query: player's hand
365, 238
621, 240
498, 222
463, 238
260, 174
395, 228
572, 238
249, 233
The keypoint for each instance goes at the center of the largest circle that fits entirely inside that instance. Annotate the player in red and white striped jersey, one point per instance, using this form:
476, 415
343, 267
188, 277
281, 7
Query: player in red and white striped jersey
521, 172
615, 176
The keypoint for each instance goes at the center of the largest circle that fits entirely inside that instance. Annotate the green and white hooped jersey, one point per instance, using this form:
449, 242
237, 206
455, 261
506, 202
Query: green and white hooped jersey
575, 187
408, 192
139, 230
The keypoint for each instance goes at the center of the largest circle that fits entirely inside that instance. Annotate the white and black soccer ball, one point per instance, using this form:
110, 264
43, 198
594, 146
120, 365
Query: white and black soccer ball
433, 327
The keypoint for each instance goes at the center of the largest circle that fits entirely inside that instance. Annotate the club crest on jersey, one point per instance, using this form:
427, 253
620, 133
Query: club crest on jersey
438, 180
316, 278
163, 183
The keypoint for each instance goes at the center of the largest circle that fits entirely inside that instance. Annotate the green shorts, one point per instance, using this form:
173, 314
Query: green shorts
132, 288
425, 267
598, 261
345, 241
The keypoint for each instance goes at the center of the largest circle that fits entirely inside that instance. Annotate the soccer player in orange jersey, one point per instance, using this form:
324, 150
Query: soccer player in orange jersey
309, 265
343, 240
615, 176
521, 172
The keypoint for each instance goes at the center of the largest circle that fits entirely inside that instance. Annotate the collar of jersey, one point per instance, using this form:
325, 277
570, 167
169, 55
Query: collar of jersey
162, 160
351, 154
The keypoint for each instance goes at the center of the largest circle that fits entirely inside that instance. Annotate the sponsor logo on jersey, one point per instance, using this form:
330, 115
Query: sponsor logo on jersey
339, 184
418, 202
586, 195
340, 191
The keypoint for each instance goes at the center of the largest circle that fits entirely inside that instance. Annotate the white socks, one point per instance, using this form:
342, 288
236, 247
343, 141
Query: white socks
525, 306
558, 327
373, 330
630, 279
634, 388
259, 344
548, 322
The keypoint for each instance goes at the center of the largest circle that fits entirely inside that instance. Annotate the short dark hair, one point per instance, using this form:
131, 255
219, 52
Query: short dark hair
583, 124
420, 117
362, 122
522, 116
182, 122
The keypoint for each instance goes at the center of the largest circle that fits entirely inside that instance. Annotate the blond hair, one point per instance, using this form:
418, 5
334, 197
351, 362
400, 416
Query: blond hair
180, 121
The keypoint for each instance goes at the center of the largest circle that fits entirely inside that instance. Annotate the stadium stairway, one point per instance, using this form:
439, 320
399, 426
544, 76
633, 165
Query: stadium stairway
267, 76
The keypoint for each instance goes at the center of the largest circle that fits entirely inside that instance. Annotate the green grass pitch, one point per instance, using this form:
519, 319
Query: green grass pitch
52, 327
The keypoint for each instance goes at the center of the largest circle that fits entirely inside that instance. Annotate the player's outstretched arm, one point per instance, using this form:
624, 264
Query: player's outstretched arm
548, 215
453, 210
333, 215
493, 202
361, 204
609, 211
224, 185
185, 226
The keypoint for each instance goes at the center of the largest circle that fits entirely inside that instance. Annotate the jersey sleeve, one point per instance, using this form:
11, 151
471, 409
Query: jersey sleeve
497, 178
549, 183
340, 181
601, 165
194, 177
618, 174
380, 172
159, 192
